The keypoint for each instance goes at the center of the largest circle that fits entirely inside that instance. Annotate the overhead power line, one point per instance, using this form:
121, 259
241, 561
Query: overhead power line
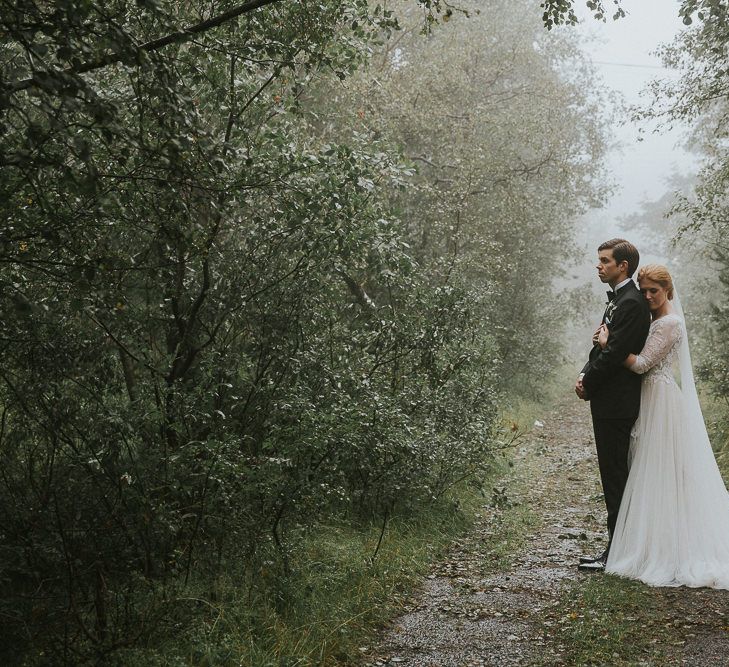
605, 62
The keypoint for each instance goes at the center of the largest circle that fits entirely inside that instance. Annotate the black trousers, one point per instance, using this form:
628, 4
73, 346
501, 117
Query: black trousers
612, 438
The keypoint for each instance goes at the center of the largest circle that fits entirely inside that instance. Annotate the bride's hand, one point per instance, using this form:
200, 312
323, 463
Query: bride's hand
596, 335
602, 336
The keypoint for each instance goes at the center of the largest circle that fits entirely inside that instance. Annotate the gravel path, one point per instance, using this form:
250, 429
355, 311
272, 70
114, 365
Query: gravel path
475, 610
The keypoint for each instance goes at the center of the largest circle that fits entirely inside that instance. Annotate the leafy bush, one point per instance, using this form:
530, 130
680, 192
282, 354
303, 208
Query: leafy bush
225, 319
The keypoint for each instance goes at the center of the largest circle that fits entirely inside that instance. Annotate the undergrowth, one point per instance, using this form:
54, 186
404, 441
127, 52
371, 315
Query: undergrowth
342, 581
338, 588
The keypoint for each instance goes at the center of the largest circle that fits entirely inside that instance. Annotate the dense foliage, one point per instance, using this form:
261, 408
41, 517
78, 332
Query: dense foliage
277, 271
701, 98
690, 223
507, 146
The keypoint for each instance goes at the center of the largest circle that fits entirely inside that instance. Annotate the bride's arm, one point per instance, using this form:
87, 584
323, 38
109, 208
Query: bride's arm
626, 330
601, 338
647, 353
660, 340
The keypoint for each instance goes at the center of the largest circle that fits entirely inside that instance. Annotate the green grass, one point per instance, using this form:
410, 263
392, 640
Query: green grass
607, 620
322, 611
514, 526
335, 596
336, 593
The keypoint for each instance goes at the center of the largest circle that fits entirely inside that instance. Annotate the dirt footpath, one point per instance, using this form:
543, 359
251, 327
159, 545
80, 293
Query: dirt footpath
479, 608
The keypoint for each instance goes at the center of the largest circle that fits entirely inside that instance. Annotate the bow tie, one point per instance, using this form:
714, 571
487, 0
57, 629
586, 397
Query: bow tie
610, 295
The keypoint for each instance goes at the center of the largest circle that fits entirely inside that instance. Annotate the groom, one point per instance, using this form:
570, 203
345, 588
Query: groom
613, 390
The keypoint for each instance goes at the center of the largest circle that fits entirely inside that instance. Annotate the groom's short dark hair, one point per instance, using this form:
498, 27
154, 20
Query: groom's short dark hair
623, 251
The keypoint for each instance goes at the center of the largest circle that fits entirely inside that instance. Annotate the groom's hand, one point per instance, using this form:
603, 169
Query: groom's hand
579, 389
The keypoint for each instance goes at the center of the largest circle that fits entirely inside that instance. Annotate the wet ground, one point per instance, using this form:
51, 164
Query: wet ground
474, 609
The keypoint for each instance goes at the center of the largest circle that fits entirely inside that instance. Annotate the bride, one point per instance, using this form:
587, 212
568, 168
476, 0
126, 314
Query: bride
673, 524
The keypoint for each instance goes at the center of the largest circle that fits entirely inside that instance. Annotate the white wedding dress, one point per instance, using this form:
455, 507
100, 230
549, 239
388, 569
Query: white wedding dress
673, 524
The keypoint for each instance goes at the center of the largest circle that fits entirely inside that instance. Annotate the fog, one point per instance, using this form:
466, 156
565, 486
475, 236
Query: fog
623, 51
643, 156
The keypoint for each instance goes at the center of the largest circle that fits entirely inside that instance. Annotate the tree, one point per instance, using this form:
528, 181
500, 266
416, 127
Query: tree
701, 97
227, 316
508, 150
167, 261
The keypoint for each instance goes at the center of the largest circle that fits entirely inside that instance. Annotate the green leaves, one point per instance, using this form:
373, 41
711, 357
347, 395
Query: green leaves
261, 286
561, 12
704, 10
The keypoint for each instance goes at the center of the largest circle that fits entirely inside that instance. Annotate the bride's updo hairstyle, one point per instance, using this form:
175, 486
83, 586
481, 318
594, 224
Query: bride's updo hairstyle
658, 274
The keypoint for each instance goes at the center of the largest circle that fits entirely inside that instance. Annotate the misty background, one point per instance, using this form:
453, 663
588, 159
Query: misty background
646, 159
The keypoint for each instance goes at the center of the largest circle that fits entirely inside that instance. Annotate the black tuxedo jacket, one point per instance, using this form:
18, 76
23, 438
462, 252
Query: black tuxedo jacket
612, 389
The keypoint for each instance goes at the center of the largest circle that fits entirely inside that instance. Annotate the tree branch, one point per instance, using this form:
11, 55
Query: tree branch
178, 37
357, 291
432, 164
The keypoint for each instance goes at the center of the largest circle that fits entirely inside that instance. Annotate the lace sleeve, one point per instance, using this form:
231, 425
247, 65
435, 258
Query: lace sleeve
662, 336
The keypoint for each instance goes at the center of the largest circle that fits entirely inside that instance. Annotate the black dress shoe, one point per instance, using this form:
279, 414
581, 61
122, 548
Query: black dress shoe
594, 566
593, 559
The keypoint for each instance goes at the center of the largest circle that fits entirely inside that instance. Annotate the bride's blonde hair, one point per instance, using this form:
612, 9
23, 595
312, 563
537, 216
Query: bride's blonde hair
658, 274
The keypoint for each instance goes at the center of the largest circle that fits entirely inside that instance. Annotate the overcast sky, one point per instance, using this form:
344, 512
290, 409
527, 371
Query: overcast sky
622, 51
